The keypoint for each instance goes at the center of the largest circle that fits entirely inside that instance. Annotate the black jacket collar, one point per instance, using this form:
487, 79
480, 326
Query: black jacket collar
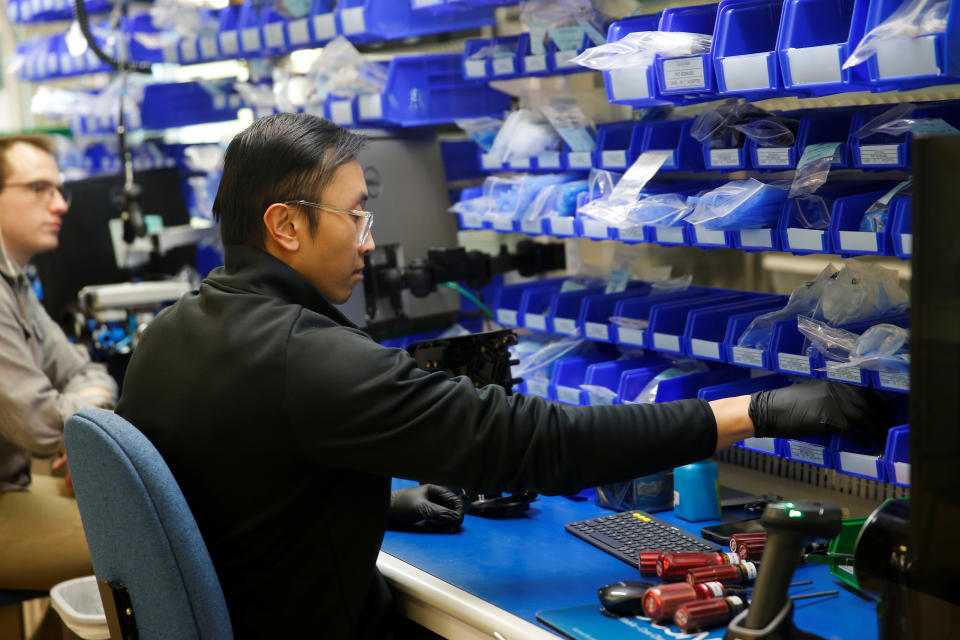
253, 270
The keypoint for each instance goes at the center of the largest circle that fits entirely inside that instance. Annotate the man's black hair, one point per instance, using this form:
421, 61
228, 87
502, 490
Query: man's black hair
281, 157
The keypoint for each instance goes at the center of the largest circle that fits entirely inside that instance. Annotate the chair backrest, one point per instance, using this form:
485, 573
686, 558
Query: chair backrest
141, 532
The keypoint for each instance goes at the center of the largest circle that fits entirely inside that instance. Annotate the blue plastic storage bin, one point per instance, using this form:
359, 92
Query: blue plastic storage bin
632, 86
498, 66
608, 375
228, 34
688, 386
877, 150
815, 127
507, 305
896, 456
596, 310
901, 227
184, 103
842, 372
815, 451
707, 327
668, 320
744, 356
672, 135
797, 238
847, 239
688, 76
372, 20
536, 313
640, 308
564, 315
471, 221
614, 145
854, 459
633, 381
791, 353
569, 373
745, 48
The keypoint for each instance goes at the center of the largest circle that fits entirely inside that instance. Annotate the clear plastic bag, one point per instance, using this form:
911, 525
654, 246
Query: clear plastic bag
340, 70
549, 353
882, 347
483, 131
680, 368
556, 200
524, 134
639, 48
718, 124
770, 132
894, 113
613, 209
859, 291
832, 343
813, 168
562, 22
573, 125
512, 196
911, 19
739, 204
876, 215
811, 211
661, 209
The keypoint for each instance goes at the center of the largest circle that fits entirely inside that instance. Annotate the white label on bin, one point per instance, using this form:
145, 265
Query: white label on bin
170, 54
520, 163
537, 388
900, 57
748, 356
273, 32
550, 160
251, 40
858, 240
341, 112
613, 158
299, 31
709, 236
536, 321
220, 102
683, 73
475, 68
902, 472
629, 83
419, 4
631, 233
564, 59
767, 445
895, 380
705, 348
815, 65
806, 452
724, 157
836, 371
746, 72
630, 336
756, 237
906, 241
473, 220
66, 60
773, 156
805, 239
562, 225
876, 154
597, 331
188, 50
531, 226
666, 342
858, 463
229, 43
235, 101
325, 26
370, 106
353, 20
566, 326
503, 66
489, 161
569, 395
534, 64
668, 234
208, 47
507, 316
597, 399
594, 228
794, 363
503, 223
580, 159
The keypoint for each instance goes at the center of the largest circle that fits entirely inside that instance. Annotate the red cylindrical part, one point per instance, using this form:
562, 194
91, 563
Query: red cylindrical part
647, 562
751, 549
743, 573
706, 590
737, 538
674, 566
660, 602
703, 614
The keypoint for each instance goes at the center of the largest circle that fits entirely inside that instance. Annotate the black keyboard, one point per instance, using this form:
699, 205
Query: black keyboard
624, 535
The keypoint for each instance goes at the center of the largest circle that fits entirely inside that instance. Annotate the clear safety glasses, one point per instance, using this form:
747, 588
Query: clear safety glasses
44, 190
364, 218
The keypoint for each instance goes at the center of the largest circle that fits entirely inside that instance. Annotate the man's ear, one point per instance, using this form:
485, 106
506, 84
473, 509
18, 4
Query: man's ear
284, 227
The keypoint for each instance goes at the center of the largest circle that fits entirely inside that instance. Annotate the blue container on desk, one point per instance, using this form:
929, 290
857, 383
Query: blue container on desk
816, 37
896, 456
668, 320
706, 327
614, 151
371, 20
745, 48
846, 236
901, 227
640, 308
632, 86
696, 491
689, 76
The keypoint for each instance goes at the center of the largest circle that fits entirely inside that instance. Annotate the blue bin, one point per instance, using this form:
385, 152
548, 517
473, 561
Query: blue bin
228, 35
536, 310
814, 127
707, 327
896, 456
614, 145
317, 28
688, 76
745, 48
814, 42
471, 221
459, 160
901, 227
499, 67
688, 386
640, 308
816, 451
797, 238
744, 356
180, 104
564, 315
371, 20
791, 353
507, 305
596, 310
609, 374
854, 459
633, 381
569, 373
758, 239
877, 150
252, 42
632, 86
668, 320
863, 377
848, 240
672, 135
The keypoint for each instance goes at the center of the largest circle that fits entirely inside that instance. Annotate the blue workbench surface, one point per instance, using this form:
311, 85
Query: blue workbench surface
530, 564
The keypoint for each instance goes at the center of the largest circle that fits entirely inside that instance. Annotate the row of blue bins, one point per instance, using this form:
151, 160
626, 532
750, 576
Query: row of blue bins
33, 11
698, 322
769, 48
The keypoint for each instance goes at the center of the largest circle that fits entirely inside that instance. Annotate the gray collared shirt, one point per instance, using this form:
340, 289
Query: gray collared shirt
40, 375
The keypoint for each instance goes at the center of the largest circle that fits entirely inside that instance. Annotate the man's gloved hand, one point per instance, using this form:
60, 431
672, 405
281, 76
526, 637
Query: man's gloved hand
821, 408
425, 507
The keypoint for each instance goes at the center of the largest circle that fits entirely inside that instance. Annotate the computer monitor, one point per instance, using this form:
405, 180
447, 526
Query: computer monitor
85, 255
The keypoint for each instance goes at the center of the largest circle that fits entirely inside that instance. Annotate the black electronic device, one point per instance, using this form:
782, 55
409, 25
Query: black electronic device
720, 533
483, 357
624, 598
625, 534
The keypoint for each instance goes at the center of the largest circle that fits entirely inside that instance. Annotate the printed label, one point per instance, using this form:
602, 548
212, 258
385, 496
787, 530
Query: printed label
566, 326
773, 156
842, 372
756, 238
715, 588
618, 281
535, 321
353, 20
473, 220
767, 445
879, 154
534, 64
705, 348
208, 47
902, 472
794, 363
537, 388
630, 336
503, 223
489, 161
858, 463
814, 152
596, 331
748, 356
568, 395
806, 452
673, 235
895, 380
724, 157
580, 159
507, 316
683, 73
614, 158
503, 66
567, 37
341, 112
906, 240
549, 160
815, 65
631, 233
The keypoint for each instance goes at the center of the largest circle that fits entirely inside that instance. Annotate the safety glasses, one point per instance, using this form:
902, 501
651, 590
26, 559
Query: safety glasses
43, 189
364, 218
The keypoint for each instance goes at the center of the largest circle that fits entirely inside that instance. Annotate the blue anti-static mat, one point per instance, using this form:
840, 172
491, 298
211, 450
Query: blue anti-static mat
588, 622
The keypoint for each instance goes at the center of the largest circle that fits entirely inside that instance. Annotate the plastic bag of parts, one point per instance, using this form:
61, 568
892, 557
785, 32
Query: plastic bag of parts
812, 211
342, 71
574, 126
661, 209
259, 96
524, 134
541, 360
717, 125
775, 131
602, 182
739, 204
803, 301
919, 127
882, 347
495, 51
876, 215
813, 168
859, 291
556, 201
562, 22
639, 48
483, 131
472, 207
614, 208
510, 197
683, 367
894, 113
911, 19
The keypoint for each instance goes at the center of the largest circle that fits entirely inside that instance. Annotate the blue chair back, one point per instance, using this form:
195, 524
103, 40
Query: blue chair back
141, 532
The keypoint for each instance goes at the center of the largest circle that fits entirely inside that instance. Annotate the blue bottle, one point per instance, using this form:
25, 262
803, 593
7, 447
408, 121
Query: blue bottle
696, 491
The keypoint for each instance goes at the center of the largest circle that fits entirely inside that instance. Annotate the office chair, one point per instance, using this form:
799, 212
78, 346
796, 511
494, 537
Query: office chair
155, 574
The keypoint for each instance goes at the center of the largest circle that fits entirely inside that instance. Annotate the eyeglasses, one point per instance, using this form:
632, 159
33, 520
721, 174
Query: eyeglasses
43, 189
364, 218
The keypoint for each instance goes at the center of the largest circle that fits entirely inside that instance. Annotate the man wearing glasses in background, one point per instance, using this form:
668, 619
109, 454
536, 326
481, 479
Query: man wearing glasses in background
43, 380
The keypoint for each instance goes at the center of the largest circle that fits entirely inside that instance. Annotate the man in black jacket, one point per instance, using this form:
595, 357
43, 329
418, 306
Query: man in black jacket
257, 376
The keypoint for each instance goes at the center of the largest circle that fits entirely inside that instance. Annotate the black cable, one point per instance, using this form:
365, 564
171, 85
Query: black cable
83, 19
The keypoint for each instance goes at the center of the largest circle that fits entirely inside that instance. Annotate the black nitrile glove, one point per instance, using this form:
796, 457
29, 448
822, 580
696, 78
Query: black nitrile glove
425, 507
821, 408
